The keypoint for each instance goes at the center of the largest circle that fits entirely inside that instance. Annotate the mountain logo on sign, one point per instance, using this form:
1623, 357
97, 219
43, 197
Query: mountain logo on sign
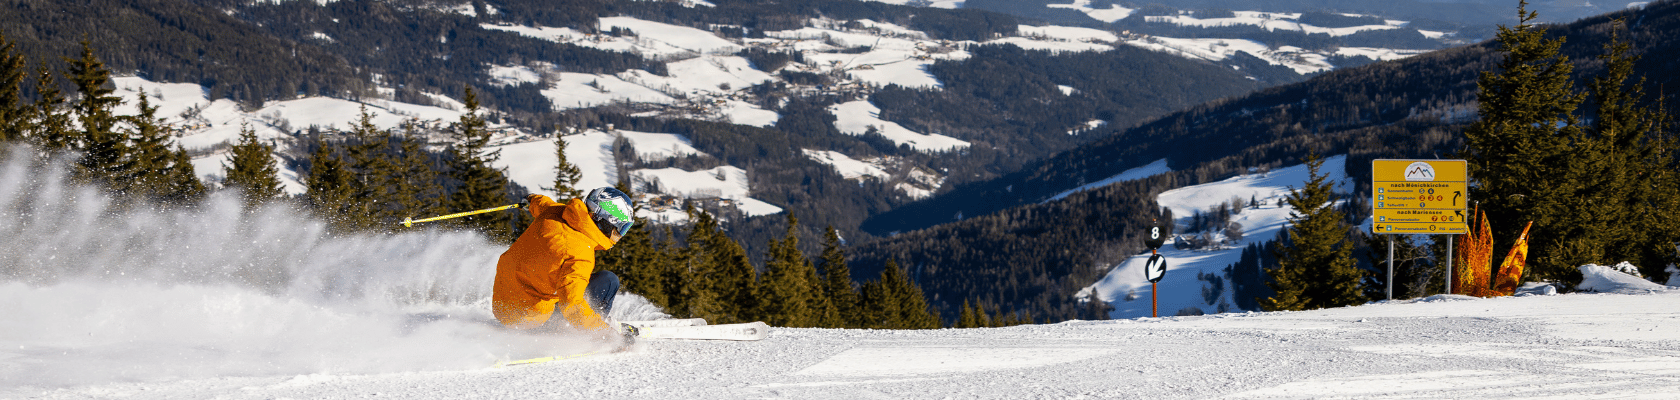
1420, 171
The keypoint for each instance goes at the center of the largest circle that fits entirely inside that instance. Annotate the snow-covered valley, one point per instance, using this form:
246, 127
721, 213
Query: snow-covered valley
703, 78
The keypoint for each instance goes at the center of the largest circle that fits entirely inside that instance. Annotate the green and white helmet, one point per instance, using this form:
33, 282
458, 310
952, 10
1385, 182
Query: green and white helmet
611, 210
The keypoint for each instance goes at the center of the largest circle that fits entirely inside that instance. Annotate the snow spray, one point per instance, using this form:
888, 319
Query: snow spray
92, 294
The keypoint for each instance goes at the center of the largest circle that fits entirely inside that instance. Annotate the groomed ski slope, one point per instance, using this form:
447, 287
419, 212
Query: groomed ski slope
213, 302
1569, 346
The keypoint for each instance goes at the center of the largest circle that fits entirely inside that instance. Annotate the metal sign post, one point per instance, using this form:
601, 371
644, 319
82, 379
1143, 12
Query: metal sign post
1418, 197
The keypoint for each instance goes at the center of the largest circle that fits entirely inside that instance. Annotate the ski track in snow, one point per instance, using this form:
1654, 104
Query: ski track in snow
1539, 346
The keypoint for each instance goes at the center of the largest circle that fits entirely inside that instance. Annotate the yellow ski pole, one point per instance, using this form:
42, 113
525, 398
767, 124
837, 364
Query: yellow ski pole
409, 222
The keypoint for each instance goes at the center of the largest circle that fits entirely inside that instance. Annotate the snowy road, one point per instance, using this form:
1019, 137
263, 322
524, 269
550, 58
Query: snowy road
1568, 346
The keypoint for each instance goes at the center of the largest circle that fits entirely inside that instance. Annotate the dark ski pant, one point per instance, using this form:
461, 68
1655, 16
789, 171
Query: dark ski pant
603, 286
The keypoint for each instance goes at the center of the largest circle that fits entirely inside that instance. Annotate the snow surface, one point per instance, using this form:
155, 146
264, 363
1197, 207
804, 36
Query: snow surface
509, 76
1180, 289
895, 56
1155, 168
848, 167
212, 302
1602, 279
1378, 54
744, 113
656, 39
946, 4
706, 74
575, 90
1053, 46
725, 182
1215, 49
1114, 12
533, 164
1271, 21
1067, 33
856, 117
658, 146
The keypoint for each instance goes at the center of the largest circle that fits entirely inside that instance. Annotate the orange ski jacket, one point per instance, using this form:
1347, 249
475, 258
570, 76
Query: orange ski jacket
548, 267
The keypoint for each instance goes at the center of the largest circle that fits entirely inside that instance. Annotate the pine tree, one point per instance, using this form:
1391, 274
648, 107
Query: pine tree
734, 280
414, 189
252, 170
673, 273
14, 115
966, 317
640, 264
1616, 210
823, 312
1315, 266
837, 281
481, 185
182, 183
51, 130
1519, 149
700, 296
329, 188
894, 302
151, 155
106, 155
787, 293
914, 309
881, 307
373, 169
566, 175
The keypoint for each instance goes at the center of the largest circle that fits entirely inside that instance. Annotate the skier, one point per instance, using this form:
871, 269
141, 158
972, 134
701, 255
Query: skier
547, 280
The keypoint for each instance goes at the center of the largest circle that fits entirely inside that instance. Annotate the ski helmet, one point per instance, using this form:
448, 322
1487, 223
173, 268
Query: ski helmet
611, 209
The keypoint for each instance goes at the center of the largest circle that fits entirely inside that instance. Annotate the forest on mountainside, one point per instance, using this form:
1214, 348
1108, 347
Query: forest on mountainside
180, 41
1438, 86
1006, 100
1412, 108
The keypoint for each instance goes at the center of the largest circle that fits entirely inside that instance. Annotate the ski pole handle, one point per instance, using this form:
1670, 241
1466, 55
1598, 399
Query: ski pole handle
409, 222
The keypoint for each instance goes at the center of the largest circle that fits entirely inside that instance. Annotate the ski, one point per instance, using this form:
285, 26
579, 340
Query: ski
667, 322
746, 331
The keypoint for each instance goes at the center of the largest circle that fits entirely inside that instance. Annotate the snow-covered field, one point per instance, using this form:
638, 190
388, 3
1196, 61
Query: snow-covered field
857, 117
1124, 286
1114, 12
1272, 21
215, 303
528, 160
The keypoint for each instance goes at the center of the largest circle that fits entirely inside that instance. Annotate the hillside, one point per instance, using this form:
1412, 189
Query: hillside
1398, 109
945, 97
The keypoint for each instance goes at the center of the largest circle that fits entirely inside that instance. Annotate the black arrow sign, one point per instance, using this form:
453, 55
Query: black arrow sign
1455, 197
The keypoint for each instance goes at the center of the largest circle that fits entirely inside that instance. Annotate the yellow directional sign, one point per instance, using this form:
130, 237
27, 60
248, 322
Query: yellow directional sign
1419, 197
